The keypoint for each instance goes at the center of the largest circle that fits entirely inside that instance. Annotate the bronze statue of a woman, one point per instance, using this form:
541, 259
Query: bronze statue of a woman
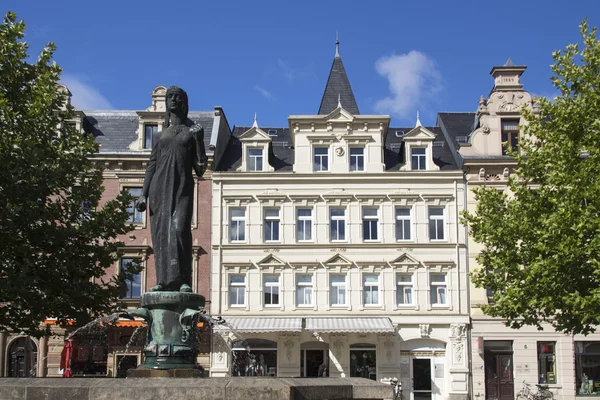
169, 186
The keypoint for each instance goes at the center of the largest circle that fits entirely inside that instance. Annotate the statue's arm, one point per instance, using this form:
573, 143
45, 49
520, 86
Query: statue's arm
200, 158
150, 169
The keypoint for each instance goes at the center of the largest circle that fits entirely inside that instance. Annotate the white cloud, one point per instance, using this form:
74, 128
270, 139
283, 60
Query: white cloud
288, 73
85, 97
414, 80
268, 95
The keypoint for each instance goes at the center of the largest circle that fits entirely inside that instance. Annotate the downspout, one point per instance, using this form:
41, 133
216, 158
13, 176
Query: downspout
468, 295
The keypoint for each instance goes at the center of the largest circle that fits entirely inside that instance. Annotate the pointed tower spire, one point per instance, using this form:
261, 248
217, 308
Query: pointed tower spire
337, 45
338, 88
418, 120
509, 62
255, 124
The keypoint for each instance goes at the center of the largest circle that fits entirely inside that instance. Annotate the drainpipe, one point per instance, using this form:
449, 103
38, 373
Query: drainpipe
468, 295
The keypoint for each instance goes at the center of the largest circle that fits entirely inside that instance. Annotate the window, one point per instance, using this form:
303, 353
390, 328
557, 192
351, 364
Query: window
510, 135
321, 159
135, 216
255, 159
370, 221
150, 131
403, 223
370, 289
337, 224
587, 357
436, 223
254, 357
304, 290
363, 361
437, 288
304, 224
237, 290
133, 285
357, 159
337, 290
237, 224
271, 225
271, 290
546, 362
417, 157
404, 289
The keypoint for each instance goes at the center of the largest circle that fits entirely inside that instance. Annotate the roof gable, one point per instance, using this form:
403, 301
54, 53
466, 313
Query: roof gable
255, 134
419, 133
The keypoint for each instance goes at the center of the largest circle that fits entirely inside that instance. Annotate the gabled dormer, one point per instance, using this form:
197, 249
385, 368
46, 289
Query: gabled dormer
151, 121
255, 150
498, 118
78, 116
418, 147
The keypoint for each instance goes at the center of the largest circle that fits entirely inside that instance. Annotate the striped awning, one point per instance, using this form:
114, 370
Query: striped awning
260, 324
355, 324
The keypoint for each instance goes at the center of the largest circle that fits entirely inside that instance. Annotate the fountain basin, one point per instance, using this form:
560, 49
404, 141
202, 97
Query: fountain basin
241, 388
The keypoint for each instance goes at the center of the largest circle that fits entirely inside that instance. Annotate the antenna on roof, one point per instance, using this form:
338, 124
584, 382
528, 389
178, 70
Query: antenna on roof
337, 44
418, 120
255, 124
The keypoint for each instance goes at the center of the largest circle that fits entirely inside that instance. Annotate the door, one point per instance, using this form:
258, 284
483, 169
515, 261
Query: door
499, 380
312, 361
421, 376
23, 358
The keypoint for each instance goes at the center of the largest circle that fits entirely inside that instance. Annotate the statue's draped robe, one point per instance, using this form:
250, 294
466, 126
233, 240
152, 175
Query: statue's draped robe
169, 186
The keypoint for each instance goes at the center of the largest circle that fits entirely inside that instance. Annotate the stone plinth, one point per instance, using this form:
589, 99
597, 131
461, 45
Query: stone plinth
193, 389
166, 373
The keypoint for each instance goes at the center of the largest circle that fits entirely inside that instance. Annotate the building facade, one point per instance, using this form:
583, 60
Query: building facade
337, 251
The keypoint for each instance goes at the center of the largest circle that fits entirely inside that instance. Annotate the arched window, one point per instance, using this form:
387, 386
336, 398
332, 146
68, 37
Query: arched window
363, 360
22, 355
254, 357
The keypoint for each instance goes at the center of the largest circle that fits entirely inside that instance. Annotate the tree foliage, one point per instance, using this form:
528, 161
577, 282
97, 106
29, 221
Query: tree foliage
541, 254
55, 243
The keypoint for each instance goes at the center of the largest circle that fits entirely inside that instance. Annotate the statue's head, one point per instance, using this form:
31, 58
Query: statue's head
177, 102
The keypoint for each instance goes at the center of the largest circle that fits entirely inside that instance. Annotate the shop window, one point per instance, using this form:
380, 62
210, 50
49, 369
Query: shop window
546, 362
587, 368
363, 361
254, 357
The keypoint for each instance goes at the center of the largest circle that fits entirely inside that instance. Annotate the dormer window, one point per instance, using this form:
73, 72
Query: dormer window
510, 135
357, 158
255, 159
150, 131
321, 159
418, 158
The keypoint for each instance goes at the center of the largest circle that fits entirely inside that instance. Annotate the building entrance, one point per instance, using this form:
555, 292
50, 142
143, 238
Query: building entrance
23, 358
422, 379
499, 378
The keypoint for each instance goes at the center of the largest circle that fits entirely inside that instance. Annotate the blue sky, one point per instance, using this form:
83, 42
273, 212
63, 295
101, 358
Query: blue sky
274, 57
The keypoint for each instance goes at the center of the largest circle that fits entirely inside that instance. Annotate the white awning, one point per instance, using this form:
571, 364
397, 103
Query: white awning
355, 324
261, 324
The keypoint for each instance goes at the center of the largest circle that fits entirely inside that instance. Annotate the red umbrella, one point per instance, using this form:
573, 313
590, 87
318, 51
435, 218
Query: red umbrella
65, 359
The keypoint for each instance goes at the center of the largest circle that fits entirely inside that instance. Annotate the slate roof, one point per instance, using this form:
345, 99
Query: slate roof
281, 155
394, 149
458, 126
116, 130
338, 84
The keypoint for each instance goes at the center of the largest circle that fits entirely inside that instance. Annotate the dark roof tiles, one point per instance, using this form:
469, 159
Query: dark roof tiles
338, 85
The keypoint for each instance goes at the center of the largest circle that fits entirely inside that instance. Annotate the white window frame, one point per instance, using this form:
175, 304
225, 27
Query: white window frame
336, 287
253, 158
400, 219
304, 221
371, 285
438, 288
268, 288
237, 220
372, 220
421, 159
272, 220
237, 286
304, 285
357, 158
145, 142
320, 158
341, 218
401, 287
437, 219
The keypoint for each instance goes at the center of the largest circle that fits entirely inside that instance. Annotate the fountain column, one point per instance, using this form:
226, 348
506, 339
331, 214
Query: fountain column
42, 357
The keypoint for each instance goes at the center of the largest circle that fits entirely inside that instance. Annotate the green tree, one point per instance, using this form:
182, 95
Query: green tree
541, 255
55, 243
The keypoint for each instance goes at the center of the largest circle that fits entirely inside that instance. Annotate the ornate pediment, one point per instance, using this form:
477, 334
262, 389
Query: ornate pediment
271, 261
338, 260
405, 260
339, 115
255, 134
419, 133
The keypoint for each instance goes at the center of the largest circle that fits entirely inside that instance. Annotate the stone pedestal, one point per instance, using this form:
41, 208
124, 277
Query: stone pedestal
171, 318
